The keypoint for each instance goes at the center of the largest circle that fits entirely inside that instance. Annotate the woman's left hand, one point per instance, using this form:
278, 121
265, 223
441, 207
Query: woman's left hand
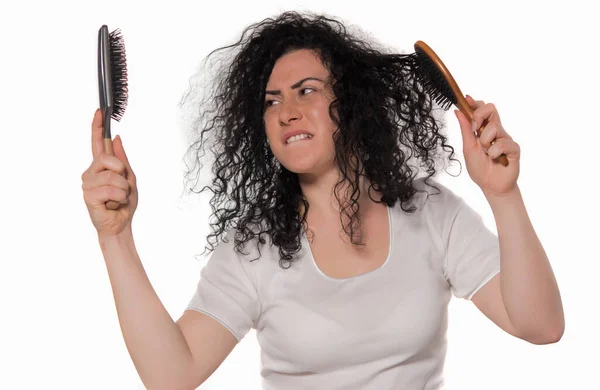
492, 177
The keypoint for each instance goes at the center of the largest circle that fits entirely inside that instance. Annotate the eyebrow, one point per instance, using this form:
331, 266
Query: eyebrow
296, 85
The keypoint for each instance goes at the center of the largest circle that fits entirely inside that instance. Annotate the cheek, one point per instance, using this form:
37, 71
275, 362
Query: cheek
270, 125
321, 118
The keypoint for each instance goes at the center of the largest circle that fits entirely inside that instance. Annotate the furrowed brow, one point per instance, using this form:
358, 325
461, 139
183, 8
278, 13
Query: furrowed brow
296, 85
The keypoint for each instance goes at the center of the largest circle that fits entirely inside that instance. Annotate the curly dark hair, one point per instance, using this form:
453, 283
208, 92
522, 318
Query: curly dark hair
383, 114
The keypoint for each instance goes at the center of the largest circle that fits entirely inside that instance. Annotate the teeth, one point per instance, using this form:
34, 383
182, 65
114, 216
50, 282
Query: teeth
298, 137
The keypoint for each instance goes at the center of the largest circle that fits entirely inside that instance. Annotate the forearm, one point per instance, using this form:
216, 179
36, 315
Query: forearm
155, 343
529, 288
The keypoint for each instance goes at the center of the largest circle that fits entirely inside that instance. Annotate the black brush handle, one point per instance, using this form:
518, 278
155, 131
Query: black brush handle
105, 88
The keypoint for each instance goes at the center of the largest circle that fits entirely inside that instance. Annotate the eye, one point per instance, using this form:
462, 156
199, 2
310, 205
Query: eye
269, 103
303, 91
307, 89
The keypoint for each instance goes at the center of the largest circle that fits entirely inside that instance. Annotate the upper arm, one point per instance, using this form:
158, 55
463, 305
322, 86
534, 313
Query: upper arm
489, 301
209, 341
224, 307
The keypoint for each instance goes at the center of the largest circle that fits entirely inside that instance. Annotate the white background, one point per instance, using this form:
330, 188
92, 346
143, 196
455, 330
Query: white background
59, 327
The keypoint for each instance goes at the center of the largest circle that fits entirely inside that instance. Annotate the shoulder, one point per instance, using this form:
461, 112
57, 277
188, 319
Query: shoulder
434, 197
251, 254
438, 207
234, 249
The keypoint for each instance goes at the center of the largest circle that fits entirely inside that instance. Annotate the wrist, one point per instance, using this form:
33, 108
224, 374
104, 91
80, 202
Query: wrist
502, 200
125, 237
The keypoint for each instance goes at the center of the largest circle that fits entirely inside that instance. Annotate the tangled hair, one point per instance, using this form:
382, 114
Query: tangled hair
383, 115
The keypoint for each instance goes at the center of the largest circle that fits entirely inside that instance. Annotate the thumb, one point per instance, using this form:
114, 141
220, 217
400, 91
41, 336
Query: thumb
468, 136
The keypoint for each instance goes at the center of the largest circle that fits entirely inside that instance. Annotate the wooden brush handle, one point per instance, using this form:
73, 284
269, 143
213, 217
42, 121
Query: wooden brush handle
108, 148
464, 107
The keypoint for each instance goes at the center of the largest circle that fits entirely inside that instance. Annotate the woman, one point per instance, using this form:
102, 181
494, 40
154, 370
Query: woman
338, 246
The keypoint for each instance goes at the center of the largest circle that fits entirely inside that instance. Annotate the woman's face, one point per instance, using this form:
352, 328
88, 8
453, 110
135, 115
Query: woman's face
297, 102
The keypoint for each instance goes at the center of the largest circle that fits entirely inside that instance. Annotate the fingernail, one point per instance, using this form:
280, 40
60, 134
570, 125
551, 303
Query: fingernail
474, 126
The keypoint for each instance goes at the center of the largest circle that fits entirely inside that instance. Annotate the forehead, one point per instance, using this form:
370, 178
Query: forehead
296, 65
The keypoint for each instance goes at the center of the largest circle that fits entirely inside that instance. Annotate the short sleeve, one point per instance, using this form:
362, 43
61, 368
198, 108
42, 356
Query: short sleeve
472, 251
226, 290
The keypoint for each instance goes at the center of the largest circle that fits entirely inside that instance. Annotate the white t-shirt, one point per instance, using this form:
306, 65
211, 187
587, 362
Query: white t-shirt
385, 329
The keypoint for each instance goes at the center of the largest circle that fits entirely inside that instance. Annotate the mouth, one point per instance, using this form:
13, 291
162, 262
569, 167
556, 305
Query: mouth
298, 139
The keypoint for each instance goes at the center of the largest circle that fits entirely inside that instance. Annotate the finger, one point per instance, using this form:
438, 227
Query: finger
97, 146
107, 162
504, 146
105, 178
120, 153
469, 139
491, 132
101, 195
485, 114
474, 103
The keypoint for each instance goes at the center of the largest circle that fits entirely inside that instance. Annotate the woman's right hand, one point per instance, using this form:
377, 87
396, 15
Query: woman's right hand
109, 178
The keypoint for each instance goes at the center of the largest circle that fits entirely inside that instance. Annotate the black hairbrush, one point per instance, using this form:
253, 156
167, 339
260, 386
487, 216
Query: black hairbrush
440, 84
112, 85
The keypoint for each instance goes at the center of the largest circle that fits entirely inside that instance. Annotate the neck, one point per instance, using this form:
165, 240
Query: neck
319, 192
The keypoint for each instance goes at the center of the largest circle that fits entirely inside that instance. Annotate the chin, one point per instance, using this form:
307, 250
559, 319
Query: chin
308, 167
302, 160
300, 167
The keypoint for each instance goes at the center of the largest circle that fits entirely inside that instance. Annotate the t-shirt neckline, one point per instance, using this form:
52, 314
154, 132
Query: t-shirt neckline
389, 255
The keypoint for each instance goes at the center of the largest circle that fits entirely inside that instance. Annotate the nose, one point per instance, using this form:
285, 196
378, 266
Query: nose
289, 111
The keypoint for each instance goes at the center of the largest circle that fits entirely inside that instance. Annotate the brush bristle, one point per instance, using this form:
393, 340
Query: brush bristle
119, 74
434, 83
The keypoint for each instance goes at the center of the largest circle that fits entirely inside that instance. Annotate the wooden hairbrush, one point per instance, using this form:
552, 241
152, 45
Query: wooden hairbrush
440, 84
